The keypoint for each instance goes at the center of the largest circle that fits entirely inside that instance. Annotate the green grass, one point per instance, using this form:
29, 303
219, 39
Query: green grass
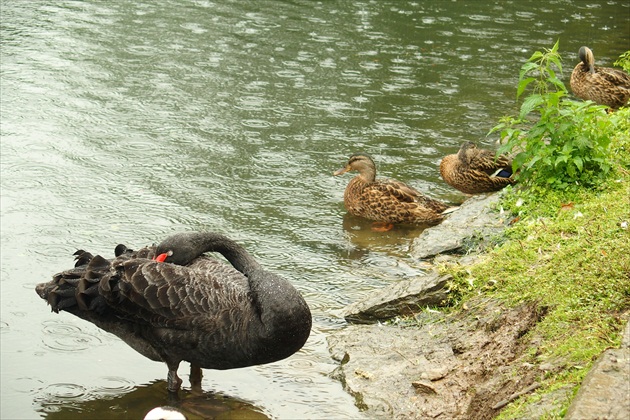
568, 251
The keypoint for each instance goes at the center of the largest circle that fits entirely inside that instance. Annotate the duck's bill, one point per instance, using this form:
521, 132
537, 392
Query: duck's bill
340, 171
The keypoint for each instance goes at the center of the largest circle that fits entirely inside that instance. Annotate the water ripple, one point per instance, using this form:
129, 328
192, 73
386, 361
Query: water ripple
114, 385
60, 393
62, 337
27, 385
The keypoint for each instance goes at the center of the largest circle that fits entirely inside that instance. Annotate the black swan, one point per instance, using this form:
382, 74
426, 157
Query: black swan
172, 304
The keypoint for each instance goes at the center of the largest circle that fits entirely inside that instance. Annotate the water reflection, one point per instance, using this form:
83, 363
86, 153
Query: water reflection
360, 232
68, 402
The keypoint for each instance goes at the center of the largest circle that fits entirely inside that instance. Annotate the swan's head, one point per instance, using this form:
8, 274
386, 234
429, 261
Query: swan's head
180, 248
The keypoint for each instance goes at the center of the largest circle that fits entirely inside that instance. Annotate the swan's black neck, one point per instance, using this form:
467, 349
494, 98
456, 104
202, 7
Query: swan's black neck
185, 247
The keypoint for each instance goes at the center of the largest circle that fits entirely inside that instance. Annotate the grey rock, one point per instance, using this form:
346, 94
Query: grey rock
473, 223
379, 365
605, 392
444, 367
403, 298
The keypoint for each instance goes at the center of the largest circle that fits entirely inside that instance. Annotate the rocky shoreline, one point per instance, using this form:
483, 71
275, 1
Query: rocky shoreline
469, 364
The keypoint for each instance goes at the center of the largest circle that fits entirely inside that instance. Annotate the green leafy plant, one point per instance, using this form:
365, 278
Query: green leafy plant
624, 61
556, 142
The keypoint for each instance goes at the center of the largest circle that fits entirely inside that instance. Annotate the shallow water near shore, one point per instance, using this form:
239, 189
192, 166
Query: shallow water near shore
123, 122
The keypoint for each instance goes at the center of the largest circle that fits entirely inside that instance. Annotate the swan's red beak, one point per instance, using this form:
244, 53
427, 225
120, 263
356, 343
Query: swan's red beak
161, 257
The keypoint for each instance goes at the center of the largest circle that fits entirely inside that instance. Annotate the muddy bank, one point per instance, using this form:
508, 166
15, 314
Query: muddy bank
470, 364
458, 367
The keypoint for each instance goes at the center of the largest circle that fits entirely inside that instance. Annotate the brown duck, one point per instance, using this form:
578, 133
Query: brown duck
386, 201
475, 171
171, 303
602, 85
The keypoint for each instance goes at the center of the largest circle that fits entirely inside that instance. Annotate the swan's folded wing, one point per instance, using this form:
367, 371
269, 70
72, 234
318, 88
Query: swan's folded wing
168, 294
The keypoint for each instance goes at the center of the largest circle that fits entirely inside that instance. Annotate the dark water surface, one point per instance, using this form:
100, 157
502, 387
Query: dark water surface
126, 121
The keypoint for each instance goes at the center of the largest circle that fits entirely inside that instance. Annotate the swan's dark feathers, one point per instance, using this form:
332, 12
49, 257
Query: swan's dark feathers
191, 307
82, 258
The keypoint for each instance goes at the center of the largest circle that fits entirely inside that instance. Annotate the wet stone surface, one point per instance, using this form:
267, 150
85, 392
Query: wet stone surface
468, 228
403, 298
443, 367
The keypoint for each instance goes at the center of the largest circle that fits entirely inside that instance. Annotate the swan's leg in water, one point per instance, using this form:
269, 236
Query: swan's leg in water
195, 377
174, 382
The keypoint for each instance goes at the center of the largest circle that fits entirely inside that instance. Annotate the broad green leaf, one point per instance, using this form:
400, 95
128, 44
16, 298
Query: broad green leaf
558, 83
529, 104
526, 68
561, 159
522, 85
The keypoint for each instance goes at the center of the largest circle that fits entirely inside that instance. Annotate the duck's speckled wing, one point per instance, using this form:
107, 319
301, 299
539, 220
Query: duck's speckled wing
474, 173
486, 161
606, 86
396, 190
391, 201
615, 77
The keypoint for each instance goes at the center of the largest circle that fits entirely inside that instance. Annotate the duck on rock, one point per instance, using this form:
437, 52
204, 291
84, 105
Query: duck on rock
602, 85
171, 303
386, 201
475, 171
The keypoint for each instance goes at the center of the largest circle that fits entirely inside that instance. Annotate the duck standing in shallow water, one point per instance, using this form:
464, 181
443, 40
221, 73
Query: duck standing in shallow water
171, 303
475, 171
386, 201
602, 85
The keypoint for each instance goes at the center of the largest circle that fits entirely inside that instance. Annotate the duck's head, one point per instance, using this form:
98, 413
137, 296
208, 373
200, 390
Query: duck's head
360, 162
586, 56
465, 148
